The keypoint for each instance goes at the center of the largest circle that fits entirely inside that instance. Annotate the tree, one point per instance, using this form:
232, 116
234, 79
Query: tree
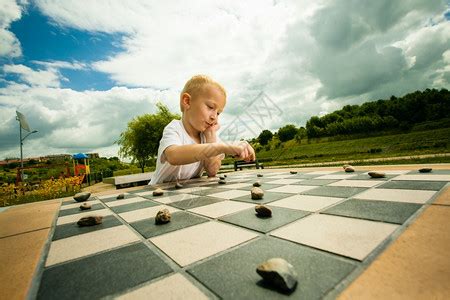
264, 137
287, 133
140, 140
301, 134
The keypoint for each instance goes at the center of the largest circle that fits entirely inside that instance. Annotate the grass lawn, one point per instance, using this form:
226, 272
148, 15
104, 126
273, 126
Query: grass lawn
387, 146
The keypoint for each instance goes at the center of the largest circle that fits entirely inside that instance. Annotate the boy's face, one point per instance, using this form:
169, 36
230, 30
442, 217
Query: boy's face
204, 109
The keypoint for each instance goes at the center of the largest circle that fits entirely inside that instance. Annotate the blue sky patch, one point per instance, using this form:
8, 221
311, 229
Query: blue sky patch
42, 40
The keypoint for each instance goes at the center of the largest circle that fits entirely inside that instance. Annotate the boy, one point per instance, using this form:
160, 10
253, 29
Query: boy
191, 145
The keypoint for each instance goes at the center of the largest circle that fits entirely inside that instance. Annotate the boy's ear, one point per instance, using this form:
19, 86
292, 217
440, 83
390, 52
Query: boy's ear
185, 101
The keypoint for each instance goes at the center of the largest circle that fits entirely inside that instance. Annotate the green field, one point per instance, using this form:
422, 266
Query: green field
387, 146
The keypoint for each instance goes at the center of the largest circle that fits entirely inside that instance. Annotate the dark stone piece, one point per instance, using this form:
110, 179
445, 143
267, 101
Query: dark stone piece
263, 211
162, 217
222, 181
259, 175
225, 175
120, 196
278, 273
374, 174
81, 197
349, 169
293, 172
257, 193
158, 192
425, 170
85, 206
257, 184
178, 185
90, 221
222, 177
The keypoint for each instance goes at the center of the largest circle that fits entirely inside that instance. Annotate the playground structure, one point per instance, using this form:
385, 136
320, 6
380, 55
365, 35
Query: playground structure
80, 170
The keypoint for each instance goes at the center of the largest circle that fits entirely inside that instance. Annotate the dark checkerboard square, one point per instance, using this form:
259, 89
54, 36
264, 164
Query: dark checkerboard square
114, 198
166, 194
304, 176
179, 220
367, 177
433, 171
320, 182
71, 229
195, 202
212, 190
133, 206
414, 185
280, 216
264, 186
348, 173
385, 211
268, 197
233, 275
147, 188
77, 210
334, 191
102, 274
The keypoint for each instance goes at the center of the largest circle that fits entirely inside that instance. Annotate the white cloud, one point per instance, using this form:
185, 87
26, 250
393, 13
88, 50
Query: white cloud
10, 11
10, 45
40, 78
167, 43
62, 65
69, 121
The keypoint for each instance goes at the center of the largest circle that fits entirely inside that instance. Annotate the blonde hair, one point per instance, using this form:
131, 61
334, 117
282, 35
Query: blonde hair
197, 84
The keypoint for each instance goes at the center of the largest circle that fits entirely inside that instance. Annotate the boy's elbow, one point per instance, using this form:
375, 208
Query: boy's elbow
171, 158
211, 173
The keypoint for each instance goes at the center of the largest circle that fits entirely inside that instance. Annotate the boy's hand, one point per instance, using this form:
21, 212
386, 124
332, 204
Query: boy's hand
210, 133
243, 150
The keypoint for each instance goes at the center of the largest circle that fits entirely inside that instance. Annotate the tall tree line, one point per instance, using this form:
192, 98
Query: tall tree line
403, 113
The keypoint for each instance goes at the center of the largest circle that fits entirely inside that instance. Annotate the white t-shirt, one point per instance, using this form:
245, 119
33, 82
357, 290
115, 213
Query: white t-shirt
175, 134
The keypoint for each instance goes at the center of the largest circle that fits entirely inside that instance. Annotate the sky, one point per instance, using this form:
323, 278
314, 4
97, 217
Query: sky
81, 70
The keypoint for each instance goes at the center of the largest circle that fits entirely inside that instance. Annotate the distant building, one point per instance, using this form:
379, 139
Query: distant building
93, 155
56, 156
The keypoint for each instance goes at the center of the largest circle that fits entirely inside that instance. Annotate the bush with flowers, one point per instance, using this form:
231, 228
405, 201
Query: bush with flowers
11, 194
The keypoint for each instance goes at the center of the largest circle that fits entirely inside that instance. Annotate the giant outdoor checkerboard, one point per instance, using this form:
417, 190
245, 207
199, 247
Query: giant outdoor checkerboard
329, 225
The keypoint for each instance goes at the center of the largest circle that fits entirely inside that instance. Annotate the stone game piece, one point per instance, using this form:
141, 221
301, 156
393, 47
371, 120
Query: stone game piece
85, 206
374, 174
222, 181
257, 184
163, 216
263, 211
222, 177
349, 169
293, 172
259, 175
90, 221
178, 185
278, 273
158, 192
425, 170
120, 196
257, 193
225, 175
81, 197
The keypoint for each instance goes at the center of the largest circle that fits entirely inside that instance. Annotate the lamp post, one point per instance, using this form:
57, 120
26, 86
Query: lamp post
23, 124
21, 150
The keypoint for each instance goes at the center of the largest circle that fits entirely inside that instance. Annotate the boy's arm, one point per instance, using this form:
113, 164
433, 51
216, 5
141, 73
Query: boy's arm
213, 163
187, 154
